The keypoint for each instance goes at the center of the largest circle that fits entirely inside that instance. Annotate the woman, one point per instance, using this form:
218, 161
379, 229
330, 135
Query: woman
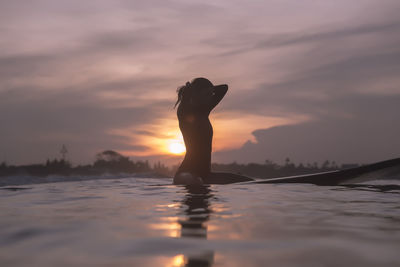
196, 99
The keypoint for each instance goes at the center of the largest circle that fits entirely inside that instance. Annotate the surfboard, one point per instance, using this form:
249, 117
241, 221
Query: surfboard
388, 169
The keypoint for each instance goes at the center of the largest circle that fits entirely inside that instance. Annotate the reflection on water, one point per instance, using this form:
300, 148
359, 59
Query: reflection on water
389, 188
197, 209
144, 222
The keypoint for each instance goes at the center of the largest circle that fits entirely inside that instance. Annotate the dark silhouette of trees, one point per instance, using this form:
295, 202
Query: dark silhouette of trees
112, 162
57, 166
160, 168
271, 170
109, 156
63, 152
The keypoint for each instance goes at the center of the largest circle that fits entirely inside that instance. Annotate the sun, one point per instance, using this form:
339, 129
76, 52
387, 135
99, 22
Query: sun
176, 147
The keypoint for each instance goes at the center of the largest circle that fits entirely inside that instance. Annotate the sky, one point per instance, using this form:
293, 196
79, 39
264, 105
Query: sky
309, 80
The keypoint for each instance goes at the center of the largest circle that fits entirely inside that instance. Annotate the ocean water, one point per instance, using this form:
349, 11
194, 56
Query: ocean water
147, 222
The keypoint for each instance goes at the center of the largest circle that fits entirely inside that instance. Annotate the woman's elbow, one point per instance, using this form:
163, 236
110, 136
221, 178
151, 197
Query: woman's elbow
221, 89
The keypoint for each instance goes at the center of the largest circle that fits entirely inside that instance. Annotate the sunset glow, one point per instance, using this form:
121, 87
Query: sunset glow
177, 147
178, 260
104, 75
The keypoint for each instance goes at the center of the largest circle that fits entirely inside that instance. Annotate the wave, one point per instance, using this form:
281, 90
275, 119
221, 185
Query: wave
27, 179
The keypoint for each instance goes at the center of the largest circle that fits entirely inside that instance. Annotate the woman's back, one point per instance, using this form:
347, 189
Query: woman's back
197, 134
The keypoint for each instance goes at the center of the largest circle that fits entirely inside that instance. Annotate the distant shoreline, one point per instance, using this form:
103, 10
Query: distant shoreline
114, 165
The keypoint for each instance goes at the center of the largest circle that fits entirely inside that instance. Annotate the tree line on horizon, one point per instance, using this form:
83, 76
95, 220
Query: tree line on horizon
269, 169
112, 162
106, 162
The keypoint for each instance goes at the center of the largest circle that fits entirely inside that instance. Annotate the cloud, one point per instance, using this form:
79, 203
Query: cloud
329, 69
72, 95
279, 40
368, 131
34, 129
346, 81
80, 73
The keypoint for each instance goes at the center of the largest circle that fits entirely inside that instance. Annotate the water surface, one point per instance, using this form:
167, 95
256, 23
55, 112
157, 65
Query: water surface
146, 222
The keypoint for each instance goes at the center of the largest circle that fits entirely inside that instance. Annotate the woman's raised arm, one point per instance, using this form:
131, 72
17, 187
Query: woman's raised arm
218, 93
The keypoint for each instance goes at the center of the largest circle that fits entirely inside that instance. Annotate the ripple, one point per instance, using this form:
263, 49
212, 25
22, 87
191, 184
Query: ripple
142, 222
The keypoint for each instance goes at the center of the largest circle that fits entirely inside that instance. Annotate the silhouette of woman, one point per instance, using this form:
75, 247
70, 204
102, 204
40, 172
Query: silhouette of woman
196, 99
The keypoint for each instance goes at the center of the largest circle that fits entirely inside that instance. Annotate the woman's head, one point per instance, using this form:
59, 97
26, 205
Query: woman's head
198, 90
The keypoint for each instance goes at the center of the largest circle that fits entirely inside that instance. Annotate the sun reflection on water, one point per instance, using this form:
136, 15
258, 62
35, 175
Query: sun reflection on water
178, 261
171, 229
